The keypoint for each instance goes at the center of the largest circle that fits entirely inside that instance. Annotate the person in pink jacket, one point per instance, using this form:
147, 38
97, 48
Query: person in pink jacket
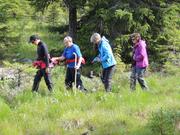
140, 62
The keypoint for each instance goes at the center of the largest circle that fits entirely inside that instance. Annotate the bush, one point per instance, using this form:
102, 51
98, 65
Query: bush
171, 68
164, 122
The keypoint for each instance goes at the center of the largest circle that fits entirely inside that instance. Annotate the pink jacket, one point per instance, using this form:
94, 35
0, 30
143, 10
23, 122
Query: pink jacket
140, 54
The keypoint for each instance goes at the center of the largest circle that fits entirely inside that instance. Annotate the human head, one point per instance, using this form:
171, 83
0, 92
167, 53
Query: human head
135, 37
34, 39
95, 38
68, 41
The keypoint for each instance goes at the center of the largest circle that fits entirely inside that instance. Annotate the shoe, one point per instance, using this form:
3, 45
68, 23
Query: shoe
82, 89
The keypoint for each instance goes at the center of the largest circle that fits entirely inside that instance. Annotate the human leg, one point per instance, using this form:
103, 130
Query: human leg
133, 78
47, 78
37, 80
108, 73
69, 78
140, 78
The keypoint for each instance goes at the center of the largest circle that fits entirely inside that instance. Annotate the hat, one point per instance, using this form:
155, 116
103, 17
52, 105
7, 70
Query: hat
33, 38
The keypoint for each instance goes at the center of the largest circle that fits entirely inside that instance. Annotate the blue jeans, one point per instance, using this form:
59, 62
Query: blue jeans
137, 73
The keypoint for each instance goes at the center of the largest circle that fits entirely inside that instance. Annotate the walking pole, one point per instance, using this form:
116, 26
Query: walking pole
75, 74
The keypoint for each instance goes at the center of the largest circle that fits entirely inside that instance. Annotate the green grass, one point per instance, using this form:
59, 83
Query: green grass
23, 49
68, 113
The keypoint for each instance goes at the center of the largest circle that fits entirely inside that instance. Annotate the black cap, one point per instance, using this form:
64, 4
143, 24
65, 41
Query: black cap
33, 38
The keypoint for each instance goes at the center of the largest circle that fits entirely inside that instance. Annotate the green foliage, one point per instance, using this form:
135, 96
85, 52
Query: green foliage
5, 111
11, 12
163, 122
124, 49
172, 24
157, 23
171, 67
56, 15
13, 17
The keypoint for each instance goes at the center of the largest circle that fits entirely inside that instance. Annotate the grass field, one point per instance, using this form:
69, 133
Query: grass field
95, 113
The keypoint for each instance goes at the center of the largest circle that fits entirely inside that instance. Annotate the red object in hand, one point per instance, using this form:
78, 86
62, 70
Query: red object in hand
39, 64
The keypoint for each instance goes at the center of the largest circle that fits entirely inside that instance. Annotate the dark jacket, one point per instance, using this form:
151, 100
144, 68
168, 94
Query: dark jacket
42, 53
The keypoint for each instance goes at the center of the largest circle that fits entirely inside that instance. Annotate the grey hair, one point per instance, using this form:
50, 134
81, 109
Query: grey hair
95, 37
68, 38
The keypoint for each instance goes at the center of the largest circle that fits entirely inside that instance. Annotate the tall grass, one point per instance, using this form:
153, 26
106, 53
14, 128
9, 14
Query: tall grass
98, 113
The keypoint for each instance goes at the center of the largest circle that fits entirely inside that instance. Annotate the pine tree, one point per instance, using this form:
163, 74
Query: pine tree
12, 13
72, 6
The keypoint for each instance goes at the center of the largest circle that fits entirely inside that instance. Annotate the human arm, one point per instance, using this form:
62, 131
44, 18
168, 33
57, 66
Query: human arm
78, 56
79, 62
61, 58
46, 55
106, 51
141, 52
96, 59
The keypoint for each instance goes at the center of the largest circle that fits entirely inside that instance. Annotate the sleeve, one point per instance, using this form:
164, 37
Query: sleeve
78, 52
46, 55
105, 51
97, 58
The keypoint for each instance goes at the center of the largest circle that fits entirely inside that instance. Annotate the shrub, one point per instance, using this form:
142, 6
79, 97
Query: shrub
164, 122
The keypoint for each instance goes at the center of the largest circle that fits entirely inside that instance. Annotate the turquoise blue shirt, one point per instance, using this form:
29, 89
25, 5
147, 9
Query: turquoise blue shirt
105, 54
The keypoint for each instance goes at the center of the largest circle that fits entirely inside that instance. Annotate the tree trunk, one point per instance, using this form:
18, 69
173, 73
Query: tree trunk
72, 22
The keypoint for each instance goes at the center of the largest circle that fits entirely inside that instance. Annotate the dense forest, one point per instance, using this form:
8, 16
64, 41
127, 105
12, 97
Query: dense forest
157, 21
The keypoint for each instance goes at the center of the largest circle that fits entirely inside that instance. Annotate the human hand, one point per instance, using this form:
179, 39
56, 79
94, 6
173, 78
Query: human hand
96, 59
134, 57
77, 66
47, 70
53, 59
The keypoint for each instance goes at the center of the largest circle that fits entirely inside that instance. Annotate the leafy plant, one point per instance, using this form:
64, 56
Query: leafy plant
163, 122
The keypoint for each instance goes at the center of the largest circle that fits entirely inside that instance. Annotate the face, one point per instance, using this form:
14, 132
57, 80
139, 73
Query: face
67, 43
96, 42
134, 40
35, 42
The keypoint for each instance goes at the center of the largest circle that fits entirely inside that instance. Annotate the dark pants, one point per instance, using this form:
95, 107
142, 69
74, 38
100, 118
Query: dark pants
47, 77
138, 74
107, 77
70, 77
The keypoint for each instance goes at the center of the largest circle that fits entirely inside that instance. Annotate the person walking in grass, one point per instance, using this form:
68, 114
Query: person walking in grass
74, 59
106, 58
42, 64
140, 62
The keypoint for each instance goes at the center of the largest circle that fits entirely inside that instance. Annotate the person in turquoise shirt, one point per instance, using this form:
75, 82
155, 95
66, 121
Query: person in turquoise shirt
106, 58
